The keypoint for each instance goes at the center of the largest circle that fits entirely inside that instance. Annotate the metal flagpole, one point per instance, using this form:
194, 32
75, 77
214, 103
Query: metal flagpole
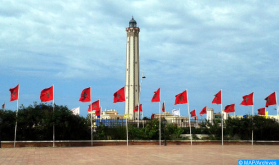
165, 109
142, 119
127, 131
252, 121
53, 127
91, 118
277, 107
222, 118
16, 114
100, 110
138, 112
160, 120
127, 116
189, 117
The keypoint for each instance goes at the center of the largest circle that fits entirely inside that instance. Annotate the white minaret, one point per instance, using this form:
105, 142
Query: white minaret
132, 69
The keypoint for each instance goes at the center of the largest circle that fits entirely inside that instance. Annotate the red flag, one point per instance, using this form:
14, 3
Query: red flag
14, 93
152, 116
218, 98
163, 107
193, 113
47, 94
181, 98
156, 96
203, 111
95, 106
119, 96
3, 106
229, 108
248, 99
261, 111
98, 112
85, 95
271, 99
196, 117
136, 108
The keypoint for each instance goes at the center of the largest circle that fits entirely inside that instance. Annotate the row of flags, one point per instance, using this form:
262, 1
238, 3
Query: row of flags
247, 100
47, 94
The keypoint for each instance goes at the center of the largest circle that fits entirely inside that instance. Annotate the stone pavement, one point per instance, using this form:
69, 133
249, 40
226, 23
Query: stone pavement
141, 154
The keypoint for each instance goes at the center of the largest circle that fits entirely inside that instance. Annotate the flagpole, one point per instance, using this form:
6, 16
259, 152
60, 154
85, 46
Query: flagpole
142, 119
91, 118
252, 122
53, 127
159, 122
16, 114
222, 113
189, 117
127, 115
277, 107
100, 109
165, 110
138, 113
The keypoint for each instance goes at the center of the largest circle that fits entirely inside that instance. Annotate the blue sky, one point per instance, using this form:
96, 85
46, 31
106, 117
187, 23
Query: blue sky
202, 46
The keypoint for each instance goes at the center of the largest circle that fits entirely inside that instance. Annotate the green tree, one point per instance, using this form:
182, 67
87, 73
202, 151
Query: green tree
35, 122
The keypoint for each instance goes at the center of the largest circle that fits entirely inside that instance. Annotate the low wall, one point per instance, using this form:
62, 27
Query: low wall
83, 143
200, 136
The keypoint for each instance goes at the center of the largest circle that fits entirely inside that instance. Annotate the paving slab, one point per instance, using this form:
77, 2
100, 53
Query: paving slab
138, 155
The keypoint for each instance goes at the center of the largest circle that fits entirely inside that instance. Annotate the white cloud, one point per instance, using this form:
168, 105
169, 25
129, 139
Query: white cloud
194, 43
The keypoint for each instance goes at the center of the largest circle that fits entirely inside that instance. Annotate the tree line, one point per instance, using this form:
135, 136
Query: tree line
35, 123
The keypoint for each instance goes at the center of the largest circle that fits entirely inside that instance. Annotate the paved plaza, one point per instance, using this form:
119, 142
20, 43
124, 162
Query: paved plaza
137, 154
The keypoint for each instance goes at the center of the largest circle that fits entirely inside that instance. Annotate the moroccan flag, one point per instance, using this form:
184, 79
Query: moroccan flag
163, 107
136, 108
47, 94
203, 111
218, 98
14, 93
3, 106
152, 116
85, 95
156, 96
271, 99
229, 108
181, 98
119, 96
261, 111
247, 99
196, 117
95, 106
193, 113
98, 112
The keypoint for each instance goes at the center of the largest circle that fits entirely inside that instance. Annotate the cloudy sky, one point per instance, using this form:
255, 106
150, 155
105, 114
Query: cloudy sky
202, 46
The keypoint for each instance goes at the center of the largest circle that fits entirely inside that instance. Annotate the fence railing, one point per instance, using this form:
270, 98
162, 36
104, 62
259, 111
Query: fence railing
122, 122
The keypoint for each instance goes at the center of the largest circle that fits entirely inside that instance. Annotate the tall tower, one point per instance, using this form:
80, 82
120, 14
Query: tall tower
132, 69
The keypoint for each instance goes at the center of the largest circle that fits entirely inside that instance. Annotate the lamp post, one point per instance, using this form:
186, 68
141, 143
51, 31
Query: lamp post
1, 120
139, 98
165, 122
